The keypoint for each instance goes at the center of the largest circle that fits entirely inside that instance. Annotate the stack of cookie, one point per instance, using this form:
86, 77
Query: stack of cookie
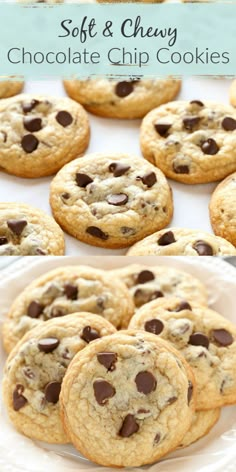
126, 364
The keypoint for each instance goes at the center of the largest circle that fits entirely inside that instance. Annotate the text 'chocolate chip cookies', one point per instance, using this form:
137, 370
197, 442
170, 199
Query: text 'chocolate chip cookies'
38, 135
119, 413
111, 200
191, 142
64, 291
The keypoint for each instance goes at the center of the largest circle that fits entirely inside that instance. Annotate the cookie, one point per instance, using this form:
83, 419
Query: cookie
203, 422
126, 99
8, 88
232, 93
67, 290
191, 142
223, 209
127, 399
111, 200
146, 283
40, 134
25, 230
35, 369
182, 242
205, 338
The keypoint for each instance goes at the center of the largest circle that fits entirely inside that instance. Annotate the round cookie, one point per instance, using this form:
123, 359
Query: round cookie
182, 242
40, 134
25, 230
8, 88
191, 142
223, 209
146, 283
232, 93
203, 422
205, 338
127, 399
111, 200
126, 99
63, 291
35, 369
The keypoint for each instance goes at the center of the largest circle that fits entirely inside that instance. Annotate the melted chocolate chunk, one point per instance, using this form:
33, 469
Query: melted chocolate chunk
29, 143
154, 326
129, 426
97, 233
199, 339
35, 309
89, 334
103, 391
16, 226
182, 306
117, 199
162, 129
157, 438
222, 337
197, 102
181, 168
118, 169
145, 382
71, 291
52, 392
3, 240
27, 107
203, 248
190, 391
209, 147
190, 122
228, 124
64, 118
65, 195
107, 359
166, 239
123, 89
32, 124
148, 179
171, 400
48, 344
83, 180
145, 276
19, 401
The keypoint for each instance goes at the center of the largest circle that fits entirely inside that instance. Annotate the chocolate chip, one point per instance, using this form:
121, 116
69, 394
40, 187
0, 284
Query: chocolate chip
182, 306
71, 291
32, 124
209, 147
48, 344
16, 226
145, 276
143, 296
34, 309
40, 252
28, 372
222, 386
203, 248
162, 129
29, 143
18, 399
118, 169
199, 339
148, 179
128, 427
83, 180
103, 391
157, 438
145, 382
123, 89
3, 240
89, 334
197, 102
56, 312
171, 400
65, 195
97, 233
52, 392
117, 199
29, 106
64, 118
154, 326
229, 124
190, 391
222, 337
127, 230
181, 168
100, 303
107, 359
190, 122
166, 239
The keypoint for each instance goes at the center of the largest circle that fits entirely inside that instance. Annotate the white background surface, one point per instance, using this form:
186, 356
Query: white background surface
214, 453
107, 135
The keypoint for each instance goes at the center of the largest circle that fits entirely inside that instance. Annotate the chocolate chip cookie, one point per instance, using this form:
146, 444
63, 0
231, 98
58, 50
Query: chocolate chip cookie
203, 422
111, 200
146, 283
205, 338
191, 142
38, 135
35, 370
182, 242
67, 290
25, 230
223, 209
8, 88
127, 399
127, 99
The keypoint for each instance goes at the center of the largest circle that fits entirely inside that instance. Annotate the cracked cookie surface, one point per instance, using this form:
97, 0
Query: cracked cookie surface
39, 134
67, 290
134, 399
182, 242
127, 99
25, 230
35, 370
223, 209
206, 339
111, 200
146, 283
191, 142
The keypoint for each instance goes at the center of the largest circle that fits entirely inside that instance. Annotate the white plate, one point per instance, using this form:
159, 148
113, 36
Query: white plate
190, 201
215, 452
